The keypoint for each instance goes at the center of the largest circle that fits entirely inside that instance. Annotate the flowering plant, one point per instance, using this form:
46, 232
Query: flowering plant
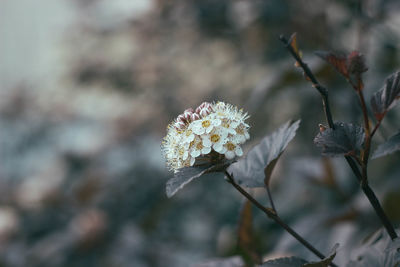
209, 138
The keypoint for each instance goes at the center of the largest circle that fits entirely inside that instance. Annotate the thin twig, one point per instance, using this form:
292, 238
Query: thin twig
361, 177
272, 214
322, 90
270, 198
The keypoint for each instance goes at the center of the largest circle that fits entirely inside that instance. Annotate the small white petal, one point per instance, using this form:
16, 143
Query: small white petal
192, 160
209, 129
206, 150
231, 131
234, 124
185, 155
206, 141
195, 153
238, 151
229, 154
218, 148
216, 122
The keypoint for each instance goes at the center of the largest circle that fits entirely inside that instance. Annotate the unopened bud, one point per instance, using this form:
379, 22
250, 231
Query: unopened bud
189, 110
202, 106
181, 118
179, 125
204, 112
187, 116
195, 116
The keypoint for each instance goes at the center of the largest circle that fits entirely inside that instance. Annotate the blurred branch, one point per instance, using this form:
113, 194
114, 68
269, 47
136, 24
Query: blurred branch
272, 214
362, 178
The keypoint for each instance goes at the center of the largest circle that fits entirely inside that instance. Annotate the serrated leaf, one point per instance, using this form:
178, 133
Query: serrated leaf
188, 174
284, 262
345, 139
325, 262
381, 251
336, 59
386, 97
234, 261
250, 170
351, 65
356, 63
390, 146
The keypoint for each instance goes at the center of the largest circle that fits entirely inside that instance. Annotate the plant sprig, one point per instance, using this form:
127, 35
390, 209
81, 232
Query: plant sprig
352, 64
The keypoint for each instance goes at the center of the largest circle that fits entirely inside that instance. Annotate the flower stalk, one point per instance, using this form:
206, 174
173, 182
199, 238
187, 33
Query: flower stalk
361, 177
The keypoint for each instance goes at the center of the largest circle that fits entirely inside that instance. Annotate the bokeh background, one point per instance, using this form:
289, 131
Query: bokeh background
87, 88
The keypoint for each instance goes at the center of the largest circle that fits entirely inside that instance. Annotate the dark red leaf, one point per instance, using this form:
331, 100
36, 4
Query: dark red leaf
336, 59
386, 97
351, 65
345, 139
356, 63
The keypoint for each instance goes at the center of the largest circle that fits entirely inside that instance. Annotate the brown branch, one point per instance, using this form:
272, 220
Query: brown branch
361, 177
273, 215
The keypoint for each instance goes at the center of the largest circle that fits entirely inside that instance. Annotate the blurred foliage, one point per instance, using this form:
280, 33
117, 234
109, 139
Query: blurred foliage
82, 180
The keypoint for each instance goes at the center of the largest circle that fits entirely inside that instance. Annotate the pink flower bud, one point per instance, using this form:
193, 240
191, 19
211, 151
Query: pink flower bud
179, 125
189, 110
204, 112
203, 105
195, 116
181, 118
187, 116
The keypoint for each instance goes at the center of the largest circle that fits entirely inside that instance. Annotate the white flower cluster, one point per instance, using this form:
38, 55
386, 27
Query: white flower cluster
212, 127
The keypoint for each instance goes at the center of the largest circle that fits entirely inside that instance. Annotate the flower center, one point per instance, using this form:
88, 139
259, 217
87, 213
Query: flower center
215, 138
240, 130
230, 146
205, 123
199, 146
188, 132
225, 124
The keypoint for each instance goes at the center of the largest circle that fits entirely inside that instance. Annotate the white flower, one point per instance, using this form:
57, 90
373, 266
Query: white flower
199, 147
232, 150
229, 125
205, 125
217, 128
242, 134
188, 135
217, 137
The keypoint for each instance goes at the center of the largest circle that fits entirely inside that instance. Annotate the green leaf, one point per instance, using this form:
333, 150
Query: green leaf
325, 262
188, 174
386, 97
284, 262
390, 146
345, 139
251, 170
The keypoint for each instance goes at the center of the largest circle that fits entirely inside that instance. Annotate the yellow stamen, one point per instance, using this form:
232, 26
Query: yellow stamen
206, 123
199, 146
230, 146
215, 138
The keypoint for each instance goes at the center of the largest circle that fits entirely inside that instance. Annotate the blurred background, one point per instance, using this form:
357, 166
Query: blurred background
87, 88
